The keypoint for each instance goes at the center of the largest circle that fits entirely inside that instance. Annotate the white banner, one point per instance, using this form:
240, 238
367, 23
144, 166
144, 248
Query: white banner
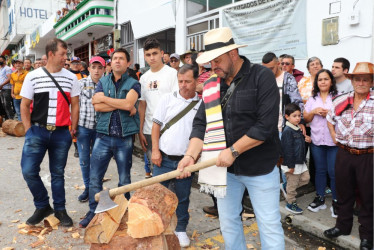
278, 26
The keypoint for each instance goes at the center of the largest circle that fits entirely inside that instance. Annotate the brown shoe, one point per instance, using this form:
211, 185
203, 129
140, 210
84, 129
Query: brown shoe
210, 210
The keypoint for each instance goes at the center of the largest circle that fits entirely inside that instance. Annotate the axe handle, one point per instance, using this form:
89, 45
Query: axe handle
157, 179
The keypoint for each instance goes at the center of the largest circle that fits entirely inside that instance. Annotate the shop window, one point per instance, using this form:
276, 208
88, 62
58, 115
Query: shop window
195, 7
127, 35
196, 28
218, 3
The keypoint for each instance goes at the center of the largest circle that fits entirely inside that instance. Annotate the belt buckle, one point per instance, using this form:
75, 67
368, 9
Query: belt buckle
354, 151
50, 127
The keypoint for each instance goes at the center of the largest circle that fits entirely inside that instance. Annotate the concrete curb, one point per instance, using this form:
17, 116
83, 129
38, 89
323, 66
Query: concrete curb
315, 228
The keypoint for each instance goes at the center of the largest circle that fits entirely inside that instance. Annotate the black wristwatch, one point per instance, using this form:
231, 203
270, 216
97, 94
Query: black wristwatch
234, 152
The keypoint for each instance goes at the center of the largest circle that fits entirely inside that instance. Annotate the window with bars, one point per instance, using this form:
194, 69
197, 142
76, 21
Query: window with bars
127, 35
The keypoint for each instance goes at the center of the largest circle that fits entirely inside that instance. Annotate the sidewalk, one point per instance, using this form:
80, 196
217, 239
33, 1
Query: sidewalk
316, 223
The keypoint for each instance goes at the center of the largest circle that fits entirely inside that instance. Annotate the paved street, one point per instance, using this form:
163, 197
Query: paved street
16, 206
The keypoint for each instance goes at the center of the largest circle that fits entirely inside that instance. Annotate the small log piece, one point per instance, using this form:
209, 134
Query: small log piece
12, 127
150, 211
104, 225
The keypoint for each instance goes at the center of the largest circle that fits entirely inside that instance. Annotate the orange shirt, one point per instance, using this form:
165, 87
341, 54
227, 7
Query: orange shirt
16, 79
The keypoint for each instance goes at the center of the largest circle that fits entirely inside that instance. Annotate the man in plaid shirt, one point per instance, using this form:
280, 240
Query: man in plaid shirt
351, 123
87, 120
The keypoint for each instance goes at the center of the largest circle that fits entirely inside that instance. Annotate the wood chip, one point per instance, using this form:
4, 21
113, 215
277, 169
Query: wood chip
106, 179
70, 229
250, 246
15, 221
210, 216
51, 221
8, 248
17, 211
194, 234
23, 231
321, 248
37, 243
75, 235
14, 240
23, 225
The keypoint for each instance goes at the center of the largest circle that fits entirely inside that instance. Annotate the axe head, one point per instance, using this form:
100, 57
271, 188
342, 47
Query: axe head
105, 202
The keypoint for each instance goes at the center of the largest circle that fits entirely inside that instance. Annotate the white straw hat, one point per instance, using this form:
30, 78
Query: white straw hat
217, 42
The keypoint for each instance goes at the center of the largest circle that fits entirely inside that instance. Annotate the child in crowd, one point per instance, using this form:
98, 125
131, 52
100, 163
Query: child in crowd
293, 149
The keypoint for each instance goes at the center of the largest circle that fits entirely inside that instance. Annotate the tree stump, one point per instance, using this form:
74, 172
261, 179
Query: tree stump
12, 127
150, 211
104, 225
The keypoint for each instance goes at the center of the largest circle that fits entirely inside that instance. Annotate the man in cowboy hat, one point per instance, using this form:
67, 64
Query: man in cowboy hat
350, 123
250, 99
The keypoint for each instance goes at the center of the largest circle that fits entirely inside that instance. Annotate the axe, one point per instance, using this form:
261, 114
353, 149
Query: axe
104, 197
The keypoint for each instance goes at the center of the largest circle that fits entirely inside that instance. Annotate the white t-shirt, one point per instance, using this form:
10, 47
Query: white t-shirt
279, 80
174, 141
154, 85
49, 105
344, 87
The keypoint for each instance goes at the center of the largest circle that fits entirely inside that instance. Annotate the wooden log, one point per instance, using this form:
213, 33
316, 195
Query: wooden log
122, 241
104, 225
12, 127
150, 211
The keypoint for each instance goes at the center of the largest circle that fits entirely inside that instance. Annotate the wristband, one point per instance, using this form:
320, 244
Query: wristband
191, 157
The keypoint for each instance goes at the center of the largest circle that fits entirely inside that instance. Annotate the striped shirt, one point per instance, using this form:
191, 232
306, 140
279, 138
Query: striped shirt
49, 104
87, 114
354, 128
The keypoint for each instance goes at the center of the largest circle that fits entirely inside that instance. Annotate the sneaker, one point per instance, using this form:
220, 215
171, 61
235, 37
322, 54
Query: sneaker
211, 210
148, 175
328, 191
283, 187
317, 204
64, 218
334, 209
84, 196
86, 220
294, 208
39, 215
184, 241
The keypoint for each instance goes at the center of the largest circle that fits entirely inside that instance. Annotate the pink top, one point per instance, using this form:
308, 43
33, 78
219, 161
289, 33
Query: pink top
319, 131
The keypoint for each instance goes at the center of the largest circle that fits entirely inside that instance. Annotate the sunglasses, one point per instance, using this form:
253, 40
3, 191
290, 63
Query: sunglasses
173, 61
75, 63
67, 64
285, 63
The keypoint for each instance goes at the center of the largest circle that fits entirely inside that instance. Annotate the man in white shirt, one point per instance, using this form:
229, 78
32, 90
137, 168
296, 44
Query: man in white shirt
166, 150
159, 80
339, 67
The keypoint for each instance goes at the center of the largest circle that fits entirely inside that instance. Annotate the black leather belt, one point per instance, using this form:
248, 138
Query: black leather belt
50, 127
172, 157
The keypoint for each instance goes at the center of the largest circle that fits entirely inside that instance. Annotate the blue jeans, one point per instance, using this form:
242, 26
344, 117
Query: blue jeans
264, 194
182, 190
85, 139
147, 164
104, 149
37, 141
324, 162
17, 107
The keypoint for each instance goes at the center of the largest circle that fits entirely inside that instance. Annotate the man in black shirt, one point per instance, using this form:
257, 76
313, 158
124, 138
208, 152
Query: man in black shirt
250, 118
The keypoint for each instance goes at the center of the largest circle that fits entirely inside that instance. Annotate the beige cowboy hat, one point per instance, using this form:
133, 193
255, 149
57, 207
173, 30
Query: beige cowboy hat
362, 68
217, 42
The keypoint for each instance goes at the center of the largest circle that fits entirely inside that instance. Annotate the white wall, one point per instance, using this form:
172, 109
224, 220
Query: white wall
355, 49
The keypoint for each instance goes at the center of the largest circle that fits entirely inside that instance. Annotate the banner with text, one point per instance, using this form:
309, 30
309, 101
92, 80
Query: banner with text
278, 26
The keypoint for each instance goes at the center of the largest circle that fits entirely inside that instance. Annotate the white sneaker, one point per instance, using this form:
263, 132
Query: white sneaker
184, 241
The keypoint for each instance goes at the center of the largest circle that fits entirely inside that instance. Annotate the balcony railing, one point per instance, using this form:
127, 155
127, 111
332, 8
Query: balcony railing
86, 14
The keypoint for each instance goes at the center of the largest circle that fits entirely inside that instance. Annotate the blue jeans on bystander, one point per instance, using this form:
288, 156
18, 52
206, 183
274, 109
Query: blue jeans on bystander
104, 149
324, 162
85, 139
182, 190
17, 107
37, 141
264, 194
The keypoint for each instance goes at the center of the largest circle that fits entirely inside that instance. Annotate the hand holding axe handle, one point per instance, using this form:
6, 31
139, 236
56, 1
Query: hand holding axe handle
157, 179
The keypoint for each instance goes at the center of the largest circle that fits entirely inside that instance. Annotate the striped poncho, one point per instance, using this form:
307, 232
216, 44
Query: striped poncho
213, 179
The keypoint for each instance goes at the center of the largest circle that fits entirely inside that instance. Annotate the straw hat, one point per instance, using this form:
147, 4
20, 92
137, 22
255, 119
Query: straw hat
362, 68
217, 42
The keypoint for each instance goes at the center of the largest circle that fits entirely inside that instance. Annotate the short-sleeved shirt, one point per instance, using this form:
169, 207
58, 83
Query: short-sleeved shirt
49, 105
305, 88
169, 106
115, 128
353, 128
320, 133
344, 87
4, 72
154, 85
17, 80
